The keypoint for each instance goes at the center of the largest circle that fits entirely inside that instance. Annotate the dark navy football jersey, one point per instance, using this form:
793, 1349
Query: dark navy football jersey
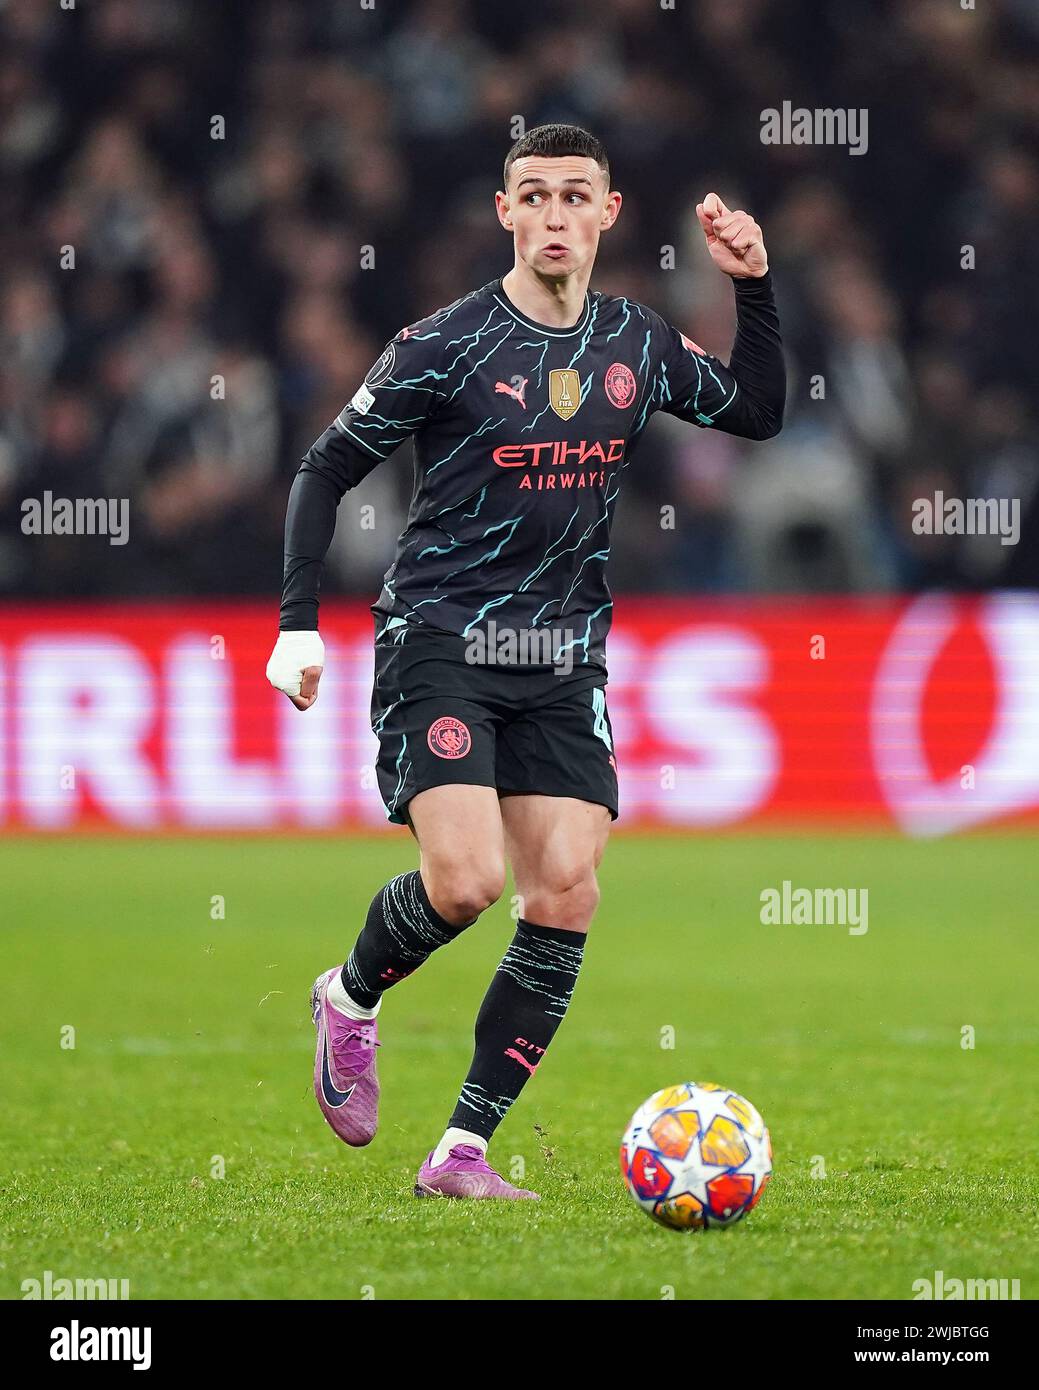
522, 434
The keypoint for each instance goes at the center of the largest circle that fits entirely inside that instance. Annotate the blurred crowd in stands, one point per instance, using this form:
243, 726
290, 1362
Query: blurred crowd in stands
257, 196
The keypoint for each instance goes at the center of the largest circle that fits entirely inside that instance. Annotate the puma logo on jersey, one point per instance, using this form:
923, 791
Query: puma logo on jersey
502, 389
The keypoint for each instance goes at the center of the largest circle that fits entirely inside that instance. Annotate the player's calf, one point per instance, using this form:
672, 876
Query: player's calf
401, 932
523, 1008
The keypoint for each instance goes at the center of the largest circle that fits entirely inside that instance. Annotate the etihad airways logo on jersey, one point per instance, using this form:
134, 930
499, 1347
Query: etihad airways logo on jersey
559, 453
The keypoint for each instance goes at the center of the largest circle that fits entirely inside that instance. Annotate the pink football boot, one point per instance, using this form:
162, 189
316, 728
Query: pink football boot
345, 1082
466, 1173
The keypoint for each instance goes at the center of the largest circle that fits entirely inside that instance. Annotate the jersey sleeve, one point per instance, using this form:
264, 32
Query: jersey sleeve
744, 398
398, 395
396, 398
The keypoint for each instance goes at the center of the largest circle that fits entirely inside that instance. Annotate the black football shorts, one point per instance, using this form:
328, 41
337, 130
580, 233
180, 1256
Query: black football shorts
518, 728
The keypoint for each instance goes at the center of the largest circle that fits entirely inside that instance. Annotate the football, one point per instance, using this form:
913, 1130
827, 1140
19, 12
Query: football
696, 1155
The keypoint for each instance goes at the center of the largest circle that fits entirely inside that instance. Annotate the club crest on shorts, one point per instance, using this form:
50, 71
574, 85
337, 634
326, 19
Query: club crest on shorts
564, 391
620, 385
449, 738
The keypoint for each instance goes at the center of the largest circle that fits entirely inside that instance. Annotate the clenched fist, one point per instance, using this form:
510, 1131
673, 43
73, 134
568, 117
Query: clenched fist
733, 239
295, 666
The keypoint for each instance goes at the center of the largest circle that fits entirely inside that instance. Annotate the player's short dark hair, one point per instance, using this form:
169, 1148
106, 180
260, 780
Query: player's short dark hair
554, 141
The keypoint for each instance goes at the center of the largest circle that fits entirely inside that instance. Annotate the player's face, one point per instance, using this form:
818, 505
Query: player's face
556, 209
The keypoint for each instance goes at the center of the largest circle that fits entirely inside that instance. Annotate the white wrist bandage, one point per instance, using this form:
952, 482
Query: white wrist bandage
293, 653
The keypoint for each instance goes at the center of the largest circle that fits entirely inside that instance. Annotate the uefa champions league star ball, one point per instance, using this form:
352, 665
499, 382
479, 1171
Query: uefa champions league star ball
696, 1155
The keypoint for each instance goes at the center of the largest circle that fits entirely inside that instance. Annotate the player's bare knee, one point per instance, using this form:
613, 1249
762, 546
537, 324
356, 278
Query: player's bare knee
459, 895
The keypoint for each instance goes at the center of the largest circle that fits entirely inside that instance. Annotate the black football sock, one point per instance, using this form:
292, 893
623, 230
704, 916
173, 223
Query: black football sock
519, 1016
402, 930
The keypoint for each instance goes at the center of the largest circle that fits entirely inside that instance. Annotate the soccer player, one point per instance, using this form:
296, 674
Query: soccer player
526, 399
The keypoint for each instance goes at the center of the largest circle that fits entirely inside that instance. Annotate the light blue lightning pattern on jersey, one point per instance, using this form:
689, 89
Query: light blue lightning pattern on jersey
513, 505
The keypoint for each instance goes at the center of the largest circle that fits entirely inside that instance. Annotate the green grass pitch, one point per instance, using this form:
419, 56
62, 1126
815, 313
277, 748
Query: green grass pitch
193, 1040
